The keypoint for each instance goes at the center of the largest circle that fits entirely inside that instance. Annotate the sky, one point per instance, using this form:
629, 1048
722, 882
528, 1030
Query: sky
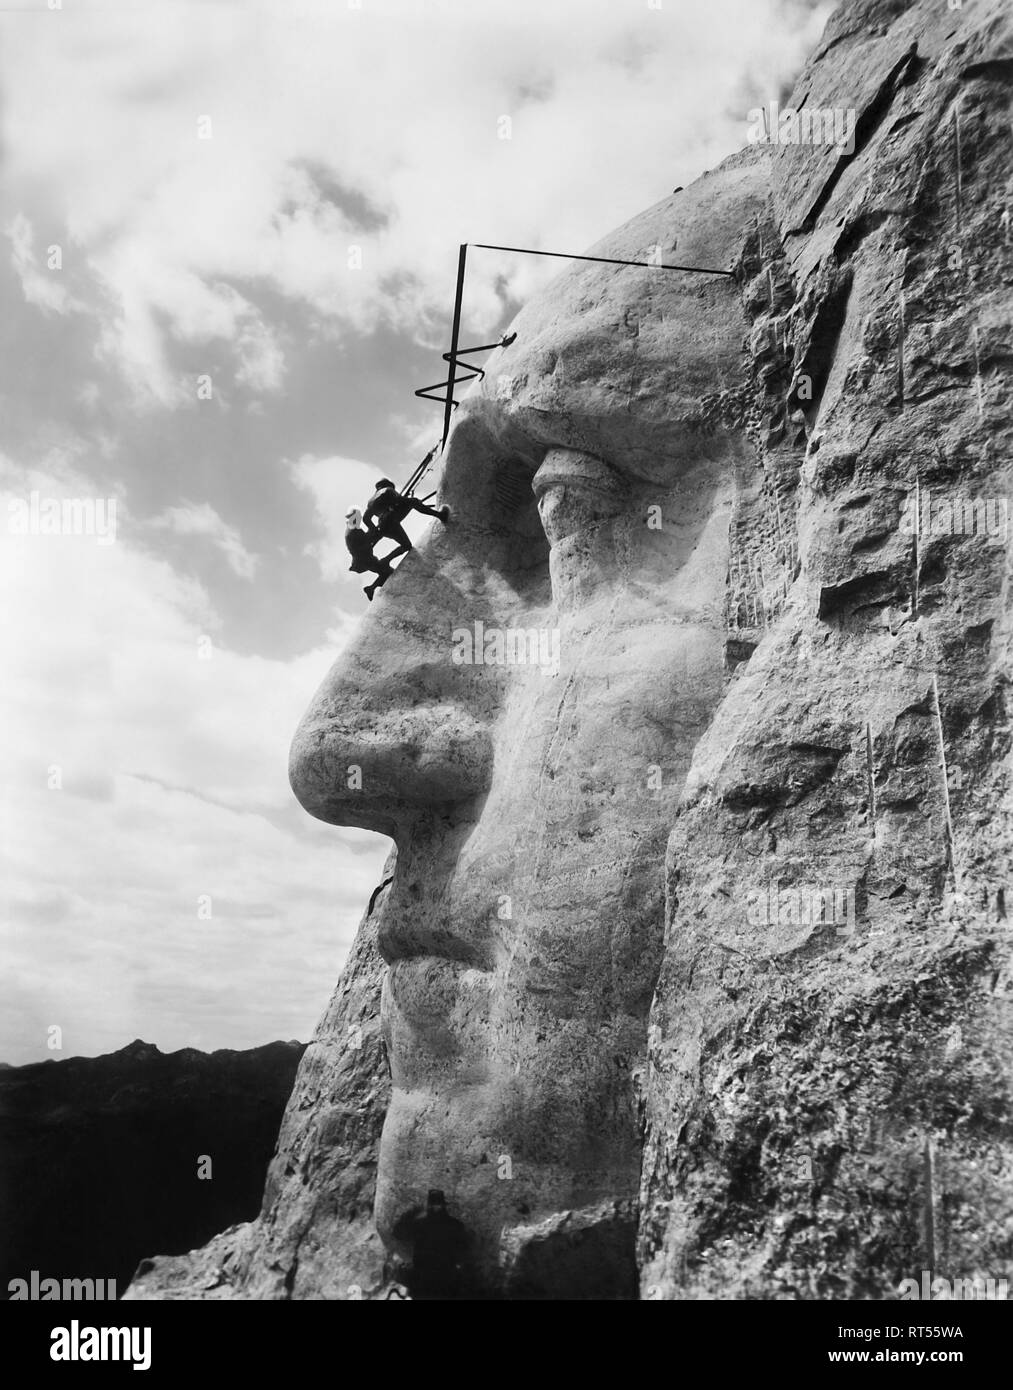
228, 247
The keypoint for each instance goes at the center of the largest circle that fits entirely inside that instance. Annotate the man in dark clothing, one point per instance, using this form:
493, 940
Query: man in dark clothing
360, 543
388, 508
439, 1262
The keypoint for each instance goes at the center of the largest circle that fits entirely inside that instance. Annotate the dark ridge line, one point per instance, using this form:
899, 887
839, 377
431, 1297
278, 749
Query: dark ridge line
376, 893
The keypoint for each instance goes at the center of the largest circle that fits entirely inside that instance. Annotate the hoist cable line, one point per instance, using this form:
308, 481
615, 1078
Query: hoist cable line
604, 260
455, 357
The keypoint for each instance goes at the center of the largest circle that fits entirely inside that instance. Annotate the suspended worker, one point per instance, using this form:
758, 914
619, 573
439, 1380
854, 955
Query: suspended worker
360, 541
387, 509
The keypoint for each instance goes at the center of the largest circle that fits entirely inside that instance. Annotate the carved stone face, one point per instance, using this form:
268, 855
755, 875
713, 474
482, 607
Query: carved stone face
523, 700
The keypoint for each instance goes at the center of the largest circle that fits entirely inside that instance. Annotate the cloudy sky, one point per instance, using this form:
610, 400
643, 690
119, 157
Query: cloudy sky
267, 197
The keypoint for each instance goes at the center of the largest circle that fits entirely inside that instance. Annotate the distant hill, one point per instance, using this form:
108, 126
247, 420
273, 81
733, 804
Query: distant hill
99, 1155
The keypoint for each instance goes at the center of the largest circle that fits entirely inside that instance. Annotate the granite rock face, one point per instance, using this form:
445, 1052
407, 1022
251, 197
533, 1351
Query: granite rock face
679, 669
829, 1103
523, 705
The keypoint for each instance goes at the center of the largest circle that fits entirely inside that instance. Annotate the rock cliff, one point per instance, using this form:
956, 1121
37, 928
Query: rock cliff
690, 730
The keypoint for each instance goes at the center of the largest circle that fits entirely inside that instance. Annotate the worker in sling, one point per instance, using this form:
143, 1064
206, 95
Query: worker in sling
360, 541
388, 508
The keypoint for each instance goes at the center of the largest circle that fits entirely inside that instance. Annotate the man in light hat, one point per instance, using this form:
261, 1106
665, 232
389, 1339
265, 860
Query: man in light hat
360, 541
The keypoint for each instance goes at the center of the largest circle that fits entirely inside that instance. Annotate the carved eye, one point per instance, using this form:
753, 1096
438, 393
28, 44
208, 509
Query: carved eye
575, 492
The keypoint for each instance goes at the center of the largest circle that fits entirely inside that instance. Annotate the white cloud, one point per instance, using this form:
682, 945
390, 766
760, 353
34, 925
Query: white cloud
191, 519
332, 127
610, 106
261, 358
40, 287
172, 773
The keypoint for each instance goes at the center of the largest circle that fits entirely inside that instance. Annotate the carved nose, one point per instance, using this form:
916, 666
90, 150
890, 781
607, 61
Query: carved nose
397, 730
379, 749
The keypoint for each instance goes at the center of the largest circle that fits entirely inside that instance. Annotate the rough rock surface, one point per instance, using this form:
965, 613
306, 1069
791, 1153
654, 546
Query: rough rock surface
99, 1155
829, 1113
691, 491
